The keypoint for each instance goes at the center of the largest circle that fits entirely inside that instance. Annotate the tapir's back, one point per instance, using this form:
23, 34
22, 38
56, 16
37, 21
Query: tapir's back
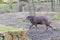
41, 19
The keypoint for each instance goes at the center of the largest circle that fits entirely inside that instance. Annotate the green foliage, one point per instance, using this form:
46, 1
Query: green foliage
11, 0
22, 3
7, 7
54, 16
2, 6
40, 1
35, 1
57, 16
1, 1
24, 0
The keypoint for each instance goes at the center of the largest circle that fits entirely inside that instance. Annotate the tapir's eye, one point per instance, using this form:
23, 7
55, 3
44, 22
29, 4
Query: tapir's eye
28, 16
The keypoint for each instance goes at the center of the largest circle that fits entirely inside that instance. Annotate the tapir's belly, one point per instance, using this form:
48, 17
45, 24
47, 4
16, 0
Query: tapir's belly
38, 22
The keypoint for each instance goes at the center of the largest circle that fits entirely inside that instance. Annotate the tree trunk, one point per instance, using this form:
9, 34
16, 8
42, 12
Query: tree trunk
31, 7
10, 3
20, 6
52, 5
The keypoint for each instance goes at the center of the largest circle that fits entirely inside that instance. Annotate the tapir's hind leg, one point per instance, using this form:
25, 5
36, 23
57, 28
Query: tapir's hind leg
52, 28
49, 26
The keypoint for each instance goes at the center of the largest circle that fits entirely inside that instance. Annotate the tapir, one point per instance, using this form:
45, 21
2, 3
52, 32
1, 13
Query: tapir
35, 20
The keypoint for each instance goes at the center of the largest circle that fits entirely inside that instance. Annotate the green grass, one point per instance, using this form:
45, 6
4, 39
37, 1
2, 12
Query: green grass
9, 29
6, 28
55, 16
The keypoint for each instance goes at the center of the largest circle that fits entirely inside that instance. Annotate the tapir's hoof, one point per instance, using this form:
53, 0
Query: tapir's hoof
55, 29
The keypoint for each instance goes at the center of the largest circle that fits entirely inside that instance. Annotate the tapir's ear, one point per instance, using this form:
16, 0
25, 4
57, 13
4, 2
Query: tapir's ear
29, 17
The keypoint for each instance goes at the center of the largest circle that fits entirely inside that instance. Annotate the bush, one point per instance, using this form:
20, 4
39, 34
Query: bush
57, 16
54, 16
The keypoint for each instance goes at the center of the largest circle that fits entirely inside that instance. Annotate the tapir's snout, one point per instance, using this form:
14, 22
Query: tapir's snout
24, 20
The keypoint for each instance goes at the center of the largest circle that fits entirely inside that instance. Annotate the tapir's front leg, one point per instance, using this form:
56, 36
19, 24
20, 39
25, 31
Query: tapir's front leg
30, 26
46, 28
36, 25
